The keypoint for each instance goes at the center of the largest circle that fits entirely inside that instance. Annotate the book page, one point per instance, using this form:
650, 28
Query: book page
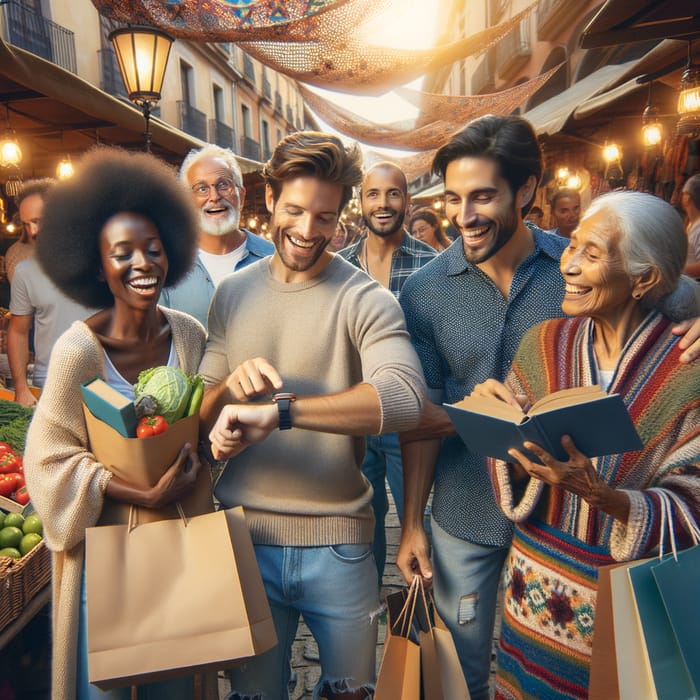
567, 397
489, 406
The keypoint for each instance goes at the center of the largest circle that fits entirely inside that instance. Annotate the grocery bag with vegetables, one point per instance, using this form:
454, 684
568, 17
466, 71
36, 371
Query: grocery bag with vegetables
167, 392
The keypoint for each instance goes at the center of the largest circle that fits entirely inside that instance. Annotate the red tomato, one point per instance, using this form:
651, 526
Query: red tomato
151, 425
19, 478
5, 447
22, 496
8, 463
8, 483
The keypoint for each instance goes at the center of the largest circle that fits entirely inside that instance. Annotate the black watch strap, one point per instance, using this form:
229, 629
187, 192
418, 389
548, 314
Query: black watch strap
284, 401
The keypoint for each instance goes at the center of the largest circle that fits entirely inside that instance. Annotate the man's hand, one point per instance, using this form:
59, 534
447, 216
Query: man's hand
253, 378
690, 342
239, 426
413, 556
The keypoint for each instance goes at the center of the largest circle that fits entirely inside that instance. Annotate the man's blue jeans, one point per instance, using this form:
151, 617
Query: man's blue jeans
335, 589
175, 689
383, 461
466, 577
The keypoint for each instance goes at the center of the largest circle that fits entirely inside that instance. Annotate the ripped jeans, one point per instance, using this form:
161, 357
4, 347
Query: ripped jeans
335, 589
466, 577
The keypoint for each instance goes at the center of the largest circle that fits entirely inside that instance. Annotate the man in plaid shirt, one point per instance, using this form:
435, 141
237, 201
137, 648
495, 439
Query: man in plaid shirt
388, 254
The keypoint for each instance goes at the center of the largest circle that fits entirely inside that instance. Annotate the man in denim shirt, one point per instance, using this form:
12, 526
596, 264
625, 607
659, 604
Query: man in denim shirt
214, 178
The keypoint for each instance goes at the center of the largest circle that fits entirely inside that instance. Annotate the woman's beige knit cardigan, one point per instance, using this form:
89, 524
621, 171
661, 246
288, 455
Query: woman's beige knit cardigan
65, 481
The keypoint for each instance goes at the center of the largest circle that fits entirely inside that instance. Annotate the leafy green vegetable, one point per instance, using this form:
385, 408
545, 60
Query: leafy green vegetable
169, 386
15, 432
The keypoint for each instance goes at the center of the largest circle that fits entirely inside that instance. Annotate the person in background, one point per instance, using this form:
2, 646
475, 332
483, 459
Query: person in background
114, 234
690, 201
503, 279
389, 254
566, 211
213, 178
425, 225
340, 239
30, 206
40, 312
535, 216
624, 291
334, 341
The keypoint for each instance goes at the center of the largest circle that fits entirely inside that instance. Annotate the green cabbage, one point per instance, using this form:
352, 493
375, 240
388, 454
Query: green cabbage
169, 386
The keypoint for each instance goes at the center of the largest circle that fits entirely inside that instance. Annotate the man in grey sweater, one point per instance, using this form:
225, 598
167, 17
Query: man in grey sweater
320, 328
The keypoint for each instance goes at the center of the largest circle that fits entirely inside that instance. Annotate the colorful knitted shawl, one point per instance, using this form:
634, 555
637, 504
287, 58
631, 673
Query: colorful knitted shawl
549, 604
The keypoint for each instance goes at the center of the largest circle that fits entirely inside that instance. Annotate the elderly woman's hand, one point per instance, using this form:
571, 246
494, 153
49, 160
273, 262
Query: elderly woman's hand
577, 475
497, 390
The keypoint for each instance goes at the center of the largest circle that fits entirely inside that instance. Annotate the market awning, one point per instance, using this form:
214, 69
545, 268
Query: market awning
55, 112
430, 192
622, 21
550, 116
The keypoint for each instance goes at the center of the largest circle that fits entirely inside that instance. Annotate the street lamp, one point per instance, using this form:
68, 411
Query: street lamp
142, 53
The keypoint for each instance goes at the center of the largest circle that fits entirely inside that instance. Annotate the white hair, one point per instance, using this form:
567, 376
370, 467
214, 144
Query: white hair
652, 237
212, 151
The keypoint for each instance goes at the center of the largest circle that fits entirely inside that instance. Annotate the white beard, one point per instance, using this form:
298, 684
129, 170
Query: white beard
221, 227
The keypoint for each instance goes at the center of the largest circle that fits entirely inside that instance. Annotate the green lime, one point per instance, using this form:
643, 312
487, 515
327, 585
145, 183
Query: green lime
32, 523
28, 542
10, 552
10, 537
14, 519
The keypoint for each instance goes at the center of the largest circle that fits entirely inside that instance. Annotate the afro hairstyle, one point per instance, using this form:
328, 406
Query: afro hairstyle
110, 181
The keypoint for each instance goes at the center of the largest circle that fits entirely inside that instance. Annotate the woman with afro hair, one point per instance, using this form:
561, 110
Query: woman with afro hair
112, 237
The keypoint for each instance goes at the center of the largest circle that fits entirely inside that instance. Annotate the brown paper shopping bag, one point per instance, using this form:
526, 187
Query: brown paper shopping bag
399, 672
442, 675
169, 597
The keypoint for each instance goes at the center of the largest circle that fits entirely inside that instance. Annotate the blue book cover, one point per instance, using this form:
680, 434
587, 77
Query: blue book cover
109, 406
598, 423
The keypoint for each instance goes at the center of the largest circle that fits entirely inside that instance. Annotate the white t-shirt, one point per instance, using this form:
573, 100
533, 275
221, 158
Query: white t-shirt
218, 266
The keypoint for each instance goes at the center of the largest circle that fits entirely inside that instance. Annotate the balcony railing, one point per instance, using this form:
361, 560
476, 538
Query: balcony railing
250, 148
514, 50
192, 120
555, 16
110, 77
248, 68
221, 134
28, 30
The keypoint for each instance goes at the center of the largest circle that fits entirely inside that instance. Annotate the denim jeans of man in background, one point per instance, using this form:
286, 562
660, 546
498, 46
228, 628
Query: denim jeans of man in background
335, 589
173, 689
383, 461
466, 578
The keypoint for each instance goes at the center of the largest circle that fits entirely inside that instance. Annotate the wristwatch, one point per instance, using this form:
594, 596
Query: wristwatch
283, 401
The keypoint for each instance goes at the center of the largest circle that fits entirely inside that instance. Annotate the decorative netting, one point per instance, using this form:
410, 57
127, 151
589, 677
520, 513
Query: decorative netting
315, 42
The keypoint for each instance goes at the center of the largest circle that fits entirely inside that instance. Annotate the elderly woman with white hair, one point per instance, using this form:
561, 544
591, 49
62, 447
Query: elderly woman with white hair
624, 290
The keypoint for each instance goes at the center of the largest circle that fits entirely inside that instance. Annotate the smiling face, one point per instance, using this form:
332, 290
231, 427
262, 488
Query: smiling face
303, 222
597, 283
217, 198
384, 200
134, 263
480, 205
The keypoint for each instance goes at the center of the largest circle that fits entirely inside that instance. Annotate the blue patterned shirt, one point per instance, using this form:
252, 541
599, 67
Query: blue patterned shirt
465, 331
406, 259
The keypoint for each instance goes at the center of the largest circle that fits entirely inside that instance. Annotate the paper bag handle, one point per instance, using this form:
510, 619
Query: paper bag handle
402, 624
668, 500
133, 517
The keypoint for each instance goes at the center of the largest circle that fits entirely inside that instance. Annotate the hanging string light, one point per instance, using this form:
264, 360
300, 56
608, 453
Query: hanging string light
10, 152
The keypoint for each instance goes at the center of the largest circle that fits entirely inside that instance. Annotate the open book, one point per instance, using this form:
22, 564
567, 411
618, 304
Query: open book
598, 423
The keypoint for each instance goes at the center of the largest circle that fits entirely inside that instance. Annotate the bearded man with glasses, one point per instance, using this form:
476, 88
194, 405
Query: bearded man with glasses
214, 178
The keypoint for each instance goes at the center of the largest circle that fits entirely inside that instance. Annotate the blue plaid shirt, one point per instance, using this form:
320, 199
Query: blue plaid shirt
411, 255
464, 332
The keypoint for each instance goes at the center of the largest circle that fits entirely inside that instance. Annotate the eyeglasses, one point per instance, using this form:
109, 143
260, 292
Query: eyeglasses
223, 187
